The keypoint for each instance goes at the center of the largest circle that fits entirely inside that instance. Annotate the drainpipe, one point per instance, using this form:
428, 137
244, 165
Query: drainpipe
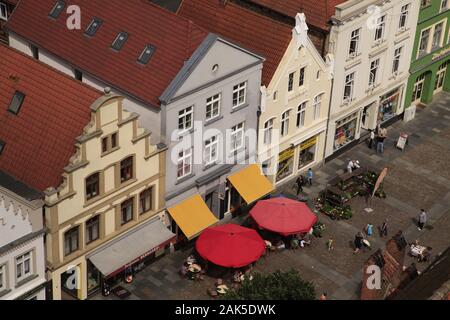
328, 121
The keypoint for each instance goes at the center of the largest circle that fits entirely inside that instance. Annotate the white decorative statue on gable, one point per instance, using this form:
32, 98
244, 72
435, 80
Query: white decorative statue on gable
14, 223
300, 32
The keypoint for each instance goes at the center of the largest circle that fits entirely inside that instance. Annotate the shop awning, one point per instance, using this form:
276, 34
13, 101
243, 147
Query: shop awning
251, 184
192, 216
131, 247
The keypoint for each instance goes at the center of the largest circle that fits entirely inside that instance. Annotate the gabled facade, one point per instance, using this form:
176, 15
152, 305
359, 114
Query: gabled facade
22, 256
430, 55
371, 42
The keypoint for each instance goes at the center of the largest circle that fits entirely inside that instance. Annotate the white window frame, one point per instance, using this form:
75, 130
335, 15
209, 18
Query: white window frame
355, 37
433, 39
3, 11
213, 103
440, 77
397, 60
420, 81
301, 114
421, 53
237, 137
240, 91
268, 131
284, 123
20, 263
3, 284
211, 153
183, 116
291, 78
302, 76
381, 26
185, 159
317, 105
349, 81
404, 15
444, 5
373, 72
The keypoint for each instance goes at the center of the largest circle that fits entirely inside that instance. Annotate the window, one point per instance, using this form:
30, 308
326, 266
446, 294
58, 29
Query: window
57, 9
239, 94
437, 36
120, 41
444, 5
2, 146
213, 106
92, 229
126, 210
185, 119
397, 57
211, 150
285, 123
354, 43
301, 80
237, 137
3, 13
34, 52
145, 56
268, 128
114, 140
16, 102
403, 17
440, 76
424, 3
379, 30
317, 104
2, 277
424, 39
275, 96
24, 266
126, 169
93, 27
418, 88
291, 81
109, 143
348, 88
373, 72
71, 241
184, 163
78, 75
301, 111
146, 200
92, 186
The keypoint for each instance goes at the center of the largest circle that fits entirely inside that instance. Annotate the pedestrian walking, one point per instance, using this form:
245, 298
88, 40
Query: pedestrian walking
371, 139
330, 244
384, 229
380, 143
309, 175
369, 229
422, 219
300, 183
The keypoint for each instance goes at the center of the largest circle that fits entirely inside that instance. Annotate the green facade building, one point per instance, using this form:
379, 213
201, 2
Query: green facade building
431, 53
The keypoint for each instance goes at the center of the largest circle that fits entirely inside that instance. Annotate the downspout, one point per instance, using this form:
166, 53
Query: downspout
328, 121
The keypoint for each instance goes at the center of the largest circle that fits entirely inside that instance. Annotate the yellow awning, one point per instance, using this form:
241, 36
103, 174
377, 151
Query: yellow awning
192, 216
251, 184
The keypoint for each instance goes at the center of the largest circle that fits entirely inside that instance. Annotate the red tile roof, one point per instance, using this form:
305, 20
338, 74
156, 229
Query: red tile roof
175, 39
40, 139
318, 12
246, 28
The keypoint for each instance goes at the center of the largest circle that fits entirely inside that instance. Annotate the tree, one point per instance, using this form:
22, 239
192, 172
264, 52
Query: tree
275, 286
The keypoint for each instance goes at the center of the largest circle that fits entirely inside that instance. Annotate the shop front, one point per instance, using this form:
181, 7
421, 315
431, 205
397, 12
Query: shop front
389, 105
123, 257
285, 167
345, 131
307, 152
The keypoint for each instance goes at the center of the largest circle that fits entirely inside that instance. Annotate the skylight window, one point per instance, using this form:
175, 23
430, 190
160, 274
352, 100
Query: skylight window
146, 54
93, 27
120, 41
2, 146
57, 9
16, 102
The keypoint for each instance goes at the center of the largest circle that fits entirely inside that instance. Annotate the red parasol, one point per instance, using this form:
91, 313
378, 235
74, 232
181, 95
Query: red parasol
284, 216
230, 245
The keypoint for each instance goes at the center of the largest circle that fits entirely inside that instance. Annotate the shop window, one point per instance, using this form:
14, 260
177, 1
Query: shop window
345, 131
388, 105
92, 229
146, 201
285, 164
126, 210
71, 241
92, 186
126, 169
307, 153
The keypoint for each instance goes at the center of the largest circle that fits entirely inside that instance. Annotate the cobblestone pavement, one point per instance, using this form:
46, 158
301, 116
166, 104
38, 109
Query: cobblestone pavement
418, 177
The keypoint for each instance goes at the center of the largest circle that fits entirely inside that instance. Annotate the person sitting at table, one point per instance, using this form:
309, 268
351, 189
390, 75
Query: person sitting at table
305, 240
191, 259
281, 245
237, 276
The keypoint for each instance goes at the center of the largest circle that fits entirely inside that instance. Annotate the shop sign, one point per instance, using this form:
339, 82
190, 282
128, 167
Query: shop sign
286, 154
308, 143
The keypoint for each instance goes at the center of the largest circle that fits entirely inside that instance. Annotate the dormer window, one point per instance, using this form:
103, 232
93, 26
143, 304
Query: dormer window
146, 54
16, 102
57, 9
93, 27
120, 41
